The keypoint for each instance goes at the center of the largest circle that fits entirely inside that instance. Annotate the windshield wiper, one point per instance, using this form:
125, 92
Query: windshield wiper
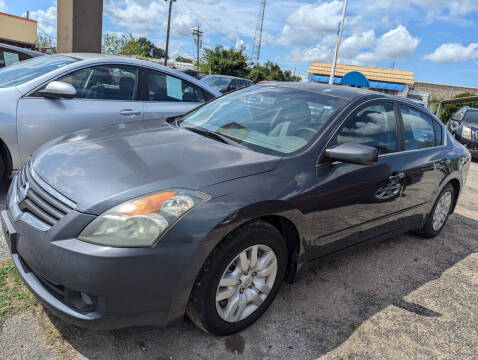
213, 135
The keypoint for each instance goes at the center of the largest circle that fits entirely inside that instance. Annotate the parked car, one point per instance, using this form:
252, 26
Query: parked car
48, 96
195, 74
225, 83
464, 125
10, 54
136, 224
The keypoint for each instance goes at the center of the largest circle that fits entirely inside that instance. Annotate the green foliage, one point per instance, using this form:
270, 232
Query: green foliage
183, 59
129, 45
449, 109
225, 61
44, 42
271, 71
14, 295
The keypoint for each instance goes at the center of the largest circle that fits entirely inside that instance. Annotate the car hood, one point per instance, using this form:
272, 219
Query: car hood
101, 167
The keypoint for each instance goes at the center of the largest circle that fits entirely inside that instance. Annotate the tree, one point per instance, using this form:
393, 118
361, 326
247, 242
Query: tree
225, 61
129, 45
44, 42
449, 109
271, 71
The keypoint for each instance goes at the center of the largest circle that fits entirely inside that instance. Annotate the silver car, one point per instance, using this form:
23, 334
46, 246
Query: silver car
49, 96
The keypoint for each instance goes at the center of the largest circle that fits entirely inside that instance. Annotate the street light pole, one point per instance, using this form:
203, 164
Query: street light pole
167, 32
337, 45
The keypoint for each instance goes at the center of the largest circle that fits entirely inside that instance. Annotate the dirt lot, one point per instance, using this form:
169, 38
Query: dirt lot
405, 298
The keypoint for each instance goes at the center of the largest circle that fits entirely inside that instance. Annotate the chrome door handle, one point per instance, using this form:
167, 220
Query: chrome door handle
129, 112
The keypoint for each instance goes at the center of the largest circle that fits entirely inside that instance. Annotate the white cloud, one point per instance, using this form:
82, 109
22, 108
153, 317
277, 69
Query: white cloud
3, 6
139, 17
453, 53
46, 20
311, 22
396, 44
362, 48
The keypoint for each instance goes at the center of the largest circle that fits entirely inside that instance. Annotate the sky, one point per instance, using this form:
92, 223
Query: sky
437, 39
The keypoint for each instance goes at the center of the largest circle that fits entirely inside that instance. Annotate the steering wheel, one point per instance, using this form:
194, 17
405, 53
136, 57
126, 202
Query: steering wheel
305, 129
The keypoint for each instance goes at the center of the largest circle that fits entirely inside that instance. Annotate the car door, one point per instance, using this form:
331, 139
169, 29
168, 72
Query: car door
358, 202
105, 94
168, 96
426, 163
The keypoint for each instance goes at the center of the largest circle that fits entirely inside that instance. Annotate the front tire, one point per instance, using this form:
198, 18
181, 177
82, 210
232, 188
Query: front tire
239, 280
439, 215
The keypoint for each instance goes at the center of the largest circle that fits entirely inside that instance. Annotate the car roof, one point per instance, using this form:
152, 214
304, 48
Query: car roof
21, 50
344, 92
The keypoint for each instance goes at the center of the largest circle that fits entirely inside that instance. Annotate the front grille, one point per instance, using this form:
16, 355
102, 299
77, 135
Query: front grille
38, 199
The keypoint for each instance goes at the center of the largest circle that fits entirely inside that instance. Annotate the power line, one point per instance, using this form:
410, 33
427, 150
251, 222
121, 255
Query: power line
207, 22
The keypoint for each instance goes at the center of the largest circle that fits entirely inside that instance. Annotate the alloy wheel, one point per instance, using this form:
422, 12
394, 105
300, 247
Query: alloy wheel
246, 283
442, 210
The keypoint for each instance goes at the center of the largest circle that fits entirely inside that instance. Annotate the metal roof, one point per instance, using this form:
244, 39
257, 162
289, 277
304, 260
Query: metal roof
371, 72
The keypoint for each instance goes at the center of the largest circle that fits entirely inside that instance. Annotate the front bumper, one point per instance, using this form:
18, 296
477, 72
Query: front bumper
123, 287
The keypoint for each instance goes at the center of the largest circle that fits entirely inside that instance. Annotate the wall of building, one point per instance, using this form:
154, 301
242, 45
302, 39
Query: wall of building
18, 30
441, 91
79, 25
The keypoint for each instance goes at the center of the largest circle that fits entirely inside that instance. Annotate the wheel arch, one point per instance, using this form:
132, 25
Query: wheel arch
6, 157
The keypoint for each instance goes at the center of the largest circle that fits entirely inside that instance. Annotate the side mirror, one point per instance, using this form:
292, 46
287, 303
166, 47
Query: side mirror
2, 63
353, 153
58, 90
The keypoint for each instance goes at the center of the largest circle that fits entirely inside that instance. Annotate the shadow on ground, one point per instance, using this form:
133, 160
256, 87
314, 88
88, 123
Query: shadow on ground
311, 317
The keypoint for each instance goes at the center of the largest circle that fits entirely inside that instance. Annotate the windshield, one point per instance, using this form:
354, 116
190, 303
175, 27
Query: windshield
268, 119
471, 116
217, 82
27, 70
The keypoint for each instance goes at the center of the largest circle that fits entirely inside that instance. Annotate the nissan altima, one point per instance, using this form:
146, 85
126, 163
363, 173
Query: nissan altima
139, 223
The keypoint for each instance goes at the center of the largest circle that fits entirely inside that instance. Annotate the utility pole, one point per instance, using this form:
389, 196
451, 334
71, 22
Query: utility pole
197, 40
167, 32
337, 45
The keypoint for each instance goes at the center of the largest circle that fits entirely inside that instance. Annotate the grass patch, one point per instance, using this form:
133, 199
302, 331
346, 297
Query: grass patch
14, 295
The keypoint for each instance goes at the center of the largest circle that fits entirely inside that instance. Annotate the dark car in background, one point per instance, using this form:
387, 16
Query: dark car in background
464, 125
10, 54
137, 223
225, 83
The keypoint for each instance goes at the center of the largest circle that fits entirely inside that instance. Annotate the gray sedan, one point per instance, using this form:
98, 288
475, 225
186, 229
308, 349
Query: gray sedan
48, 96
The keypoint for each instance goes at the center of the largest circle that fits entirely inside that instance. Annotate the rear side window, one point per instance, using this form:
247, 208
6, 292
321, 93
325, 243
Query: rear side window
419, 131
163, 87
104, 82
438, 133
374, 126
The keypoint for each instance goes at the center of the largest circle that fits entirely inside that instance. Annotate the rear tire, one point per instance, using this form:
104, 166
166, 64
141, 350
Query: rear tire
439, 214
249, 282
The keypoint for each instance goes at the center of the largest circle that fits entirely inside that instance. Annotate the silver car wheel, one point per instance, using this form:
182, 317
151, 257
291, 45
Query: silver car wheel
442, 210
246, 283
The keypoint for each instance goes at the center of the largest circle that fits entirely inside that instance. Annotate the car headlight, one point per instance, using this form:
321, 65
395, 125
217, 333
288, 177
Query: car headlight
141, 222
466, 132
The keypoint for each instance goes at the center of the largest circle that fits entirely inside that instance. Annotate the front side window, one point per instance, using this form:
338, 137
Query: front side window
419, 132
23, 71
104, 82
374, 125
163, 87
267, 119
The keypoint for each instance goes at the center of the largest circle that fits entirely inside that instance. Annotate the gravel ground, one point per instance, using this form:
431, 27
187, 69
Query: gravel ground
405, 298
